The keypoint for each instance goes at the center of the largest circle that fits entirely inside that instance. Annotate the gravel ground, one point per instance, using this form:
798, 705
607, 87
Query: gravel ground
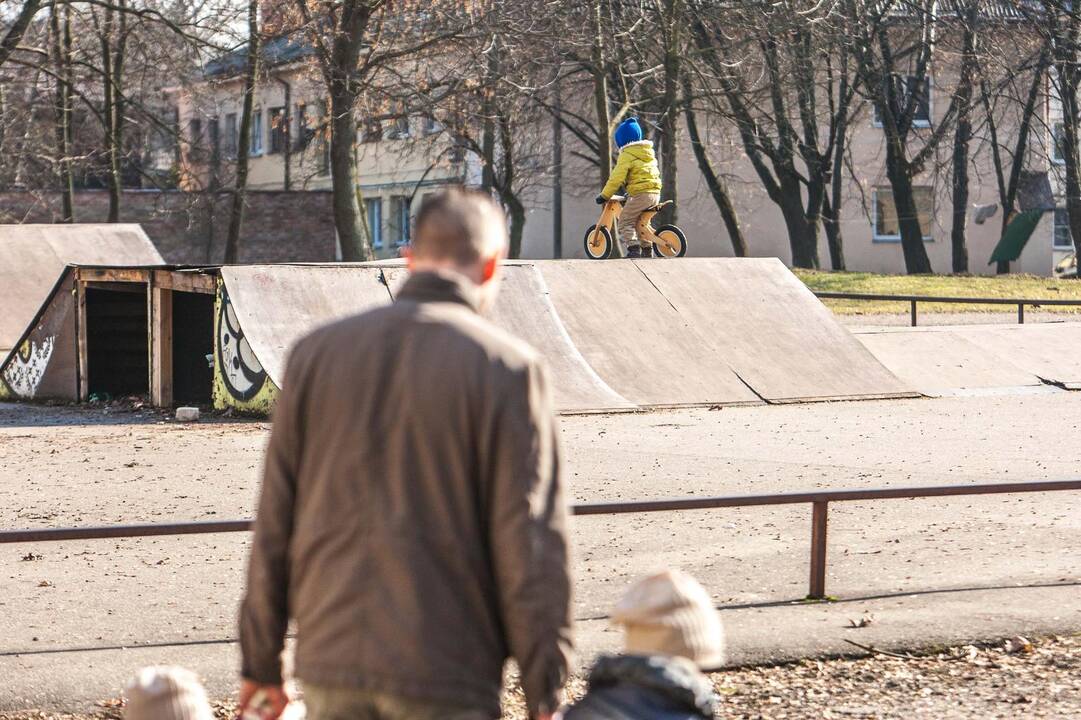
1038, 679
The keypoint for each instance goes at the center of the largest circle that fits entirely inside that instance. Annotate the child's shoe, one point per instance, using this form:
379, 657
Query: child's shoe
647, 251
634, 251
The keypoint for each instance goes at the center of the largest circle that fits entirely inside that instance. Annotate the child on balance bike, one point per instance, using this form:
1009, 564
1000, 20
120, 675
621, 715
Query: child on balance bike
637, 169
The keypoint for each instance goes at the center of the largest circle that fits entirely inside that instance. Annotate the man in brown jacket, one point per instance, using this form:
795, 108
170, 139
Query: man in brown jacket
412, 519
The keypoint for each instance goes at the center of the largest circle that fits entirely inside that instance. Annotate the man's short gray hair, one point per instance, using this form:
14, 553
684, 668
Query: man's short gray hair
459, 225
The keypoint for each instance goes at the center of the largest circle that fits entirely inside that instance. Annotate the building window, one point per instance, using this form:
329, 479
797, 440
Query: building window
905, 88
885, 223
432, 126
1058, 143
195, 133
374, 208
400, 129
230, 133
399, 220
255, 145
1063, 238
279, 133
304, 128
372, 132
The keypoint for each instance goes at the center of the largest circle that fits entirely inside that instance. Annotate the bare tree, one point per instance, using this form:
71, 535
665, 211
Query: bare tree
251, 72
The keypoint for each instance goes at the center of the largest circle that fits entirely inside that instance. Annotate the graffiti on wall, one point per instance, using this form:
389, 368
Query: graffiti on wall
27, 367
241, 370
240, 382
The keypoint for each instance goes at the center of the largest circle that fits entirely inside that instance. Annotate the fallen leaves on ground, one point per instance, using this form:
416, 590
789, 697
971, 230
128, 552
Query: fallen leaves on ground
1001, 680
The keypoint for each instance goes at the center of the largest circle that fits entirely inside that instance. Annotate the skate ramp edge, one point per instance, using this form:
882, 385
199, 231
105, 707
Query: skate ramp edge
33, 258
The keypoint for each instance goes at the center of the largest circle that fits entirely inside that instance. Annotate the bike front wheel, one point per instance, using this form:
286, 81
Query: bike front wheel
598, 243
673, 242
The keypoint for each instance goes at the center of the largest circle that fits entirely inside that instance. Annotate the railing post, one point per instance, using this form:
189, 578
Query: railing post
819, 523
1021, 313
913, 313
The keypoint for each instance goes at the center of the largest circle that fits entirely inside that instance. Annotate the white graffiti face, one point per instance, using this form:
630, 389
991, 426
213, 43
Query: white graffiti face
241, 370
24, 372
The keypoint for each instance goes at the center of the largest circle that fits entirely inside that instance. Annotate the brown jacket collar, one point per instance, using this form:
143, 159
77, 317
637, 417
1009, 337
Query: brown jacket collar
433, 286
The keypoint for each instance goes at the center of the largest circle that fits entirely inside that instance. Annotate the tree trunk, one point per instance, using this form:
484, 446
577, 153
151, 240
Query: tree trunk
61, 46
557, 174
15, 32
831, 221
960, 194
113, 39
915, 254
600, 97
670, 118
961, 139
236, 217
717, 187
802, 235
1070, 78
349, 217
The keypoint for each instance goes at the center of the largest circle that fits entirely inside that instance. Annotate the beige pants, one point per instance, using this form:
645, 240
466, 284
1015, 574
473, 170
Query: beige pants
352, 704
628, 219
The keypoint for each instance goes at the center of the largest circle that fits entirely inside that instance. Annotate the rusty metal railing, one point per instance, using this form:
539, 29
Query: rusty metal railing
912, 300
818, 499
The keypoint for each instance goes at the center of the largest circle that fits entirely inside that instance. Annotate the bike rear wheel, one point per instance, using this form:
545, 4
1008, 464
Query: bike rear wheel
676, 242
598, 243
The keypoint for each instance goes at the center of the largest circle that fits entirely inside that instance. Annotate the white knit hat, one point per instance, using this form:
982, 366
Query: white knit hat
670, 613
166, 693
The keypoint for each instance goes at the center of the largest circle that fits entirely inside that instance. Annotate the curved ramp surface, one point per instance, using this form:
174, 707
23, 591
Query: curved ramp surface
636, 340
770, 329
33, 257
276, 305
525, 309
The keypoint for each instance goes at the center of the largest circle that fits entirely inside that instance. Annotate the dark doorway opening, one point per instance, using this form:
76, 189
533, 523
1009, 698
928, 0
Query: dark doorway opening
193, 342
117, 347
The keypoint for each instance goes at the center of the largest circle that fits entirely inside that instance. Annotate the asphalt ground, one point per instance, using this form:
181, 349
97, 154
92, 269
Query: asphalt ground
77, 618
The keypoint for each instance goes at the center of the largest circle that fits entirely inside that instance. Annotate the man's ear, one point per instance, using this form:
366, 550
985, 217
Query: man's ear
410, 261
489, 268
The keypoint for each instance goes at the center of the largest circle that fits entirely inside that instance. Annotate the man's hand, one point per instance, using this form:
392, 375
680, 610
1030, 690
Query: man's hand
601, 200
272, 701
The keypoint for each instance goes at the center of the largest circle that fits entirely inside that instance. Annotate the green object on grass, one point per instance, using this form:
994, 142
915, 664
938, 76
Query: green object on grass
1016, 236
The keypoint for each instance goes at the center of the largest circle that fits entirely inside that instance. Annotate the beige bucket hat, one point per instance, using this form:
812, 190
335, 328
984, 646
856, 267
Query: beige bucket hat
670, 613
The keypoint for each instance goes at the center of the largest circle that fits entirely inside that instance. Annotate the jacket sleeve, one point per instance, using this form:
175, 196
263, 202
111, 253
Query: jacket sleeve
264, 611
618, 176
528, 539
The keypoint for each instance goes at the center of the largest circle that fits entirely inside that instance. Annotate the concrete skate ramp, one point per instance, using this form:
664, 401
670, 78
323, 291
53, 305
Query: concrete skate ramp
276, 305
943, 362
525, 310
1050, 351
636, 340
769, 328
32, 258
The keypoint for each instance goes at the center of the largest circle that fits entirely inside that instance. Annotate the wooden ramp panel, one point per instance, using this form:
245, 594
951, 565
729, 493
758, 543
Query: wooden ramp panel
1050, 351
525, 310
937, 362
276, 305
778, 337
635, 339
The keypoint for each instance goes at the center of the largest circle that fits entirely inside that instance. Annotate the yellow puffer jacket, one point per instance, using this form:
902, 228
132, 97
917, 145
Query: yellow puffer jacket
636, 168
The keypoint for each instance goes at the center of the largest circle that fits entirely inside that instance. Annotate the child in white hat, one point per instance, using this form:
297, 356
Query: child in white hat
673, 634
166, 693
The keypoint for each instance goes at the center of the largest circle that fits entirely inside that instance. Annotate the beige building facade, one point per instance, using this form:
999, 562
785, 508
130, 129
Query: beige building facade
400, 160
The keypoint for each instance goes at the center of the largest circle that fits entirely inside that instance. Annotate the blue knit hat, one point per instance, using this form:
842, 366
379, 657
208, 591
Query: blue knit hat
628, 131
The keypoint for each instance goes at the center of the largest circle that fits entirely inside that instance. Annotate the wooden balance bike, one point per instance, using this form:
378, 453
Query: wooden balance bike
668, 240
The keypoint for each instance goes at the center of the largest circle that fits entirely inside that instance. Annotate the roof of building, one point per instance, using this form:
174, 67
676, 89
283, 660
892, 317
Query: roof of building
274, 51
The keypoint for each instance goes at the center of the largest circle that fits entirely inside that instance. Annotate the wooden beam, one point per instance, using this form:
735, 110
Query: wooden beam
114, 274
186, 281
161, 346
82, 369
